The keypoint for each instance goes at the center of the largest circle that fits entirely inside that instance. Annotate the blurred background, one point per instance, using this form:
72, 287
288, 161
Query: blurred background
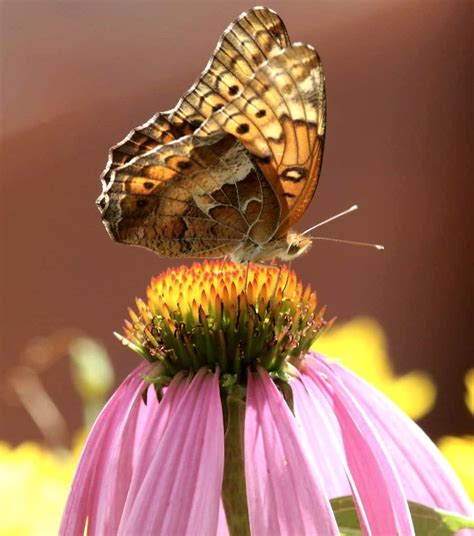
77, 76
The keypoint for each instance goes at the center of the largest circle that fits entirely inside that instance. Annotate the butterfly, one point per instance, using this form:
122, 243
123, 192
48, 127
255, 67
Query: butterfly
235, 164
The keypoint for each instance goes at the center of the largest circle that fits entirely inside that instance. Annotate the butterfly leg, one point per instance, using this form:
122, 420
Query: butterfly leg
246, 276
287, 275
276, 283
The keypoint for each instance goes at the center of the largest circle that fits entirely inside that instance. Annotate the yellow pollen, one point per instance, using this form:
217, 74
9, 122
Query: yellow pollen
215, 285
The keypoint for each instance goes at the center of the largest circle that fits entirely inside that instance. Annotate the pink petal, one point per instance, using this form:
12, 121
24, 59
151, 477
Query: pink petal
180, 492
222, 527
284, 493
155, 420
86, 496
143, 418
372, 469
425, 474
320, 428
323, 434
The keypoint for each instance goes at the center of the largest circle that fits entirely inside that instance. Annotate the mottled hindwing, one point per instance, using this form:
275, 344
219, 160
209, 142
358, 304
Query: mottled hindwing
279, 117
196, 197
249, 41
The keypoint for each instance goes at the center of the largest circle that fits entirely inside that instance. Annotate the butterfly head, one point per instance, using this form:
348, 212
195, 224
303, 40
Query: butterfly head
296, 244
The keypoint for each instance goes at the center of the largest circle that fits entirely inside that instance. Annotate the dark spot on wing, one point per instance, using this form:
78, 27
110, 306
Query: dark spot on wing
184, 164
243, 128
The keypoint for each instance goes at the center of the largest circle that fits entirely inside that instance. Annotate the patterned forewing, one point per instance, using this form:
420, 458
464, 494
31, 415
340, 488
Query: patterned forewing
280, 118
257, 35
249, 41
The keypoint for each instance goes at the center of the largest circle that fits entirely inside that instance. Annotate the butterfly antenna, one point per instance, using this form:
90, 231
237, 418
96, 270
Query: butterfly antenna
379, 247
343, 213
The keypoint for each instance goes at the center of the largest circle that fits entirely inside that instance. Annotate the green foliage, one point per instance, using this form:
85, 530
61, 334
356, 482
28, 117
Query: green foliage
426, 521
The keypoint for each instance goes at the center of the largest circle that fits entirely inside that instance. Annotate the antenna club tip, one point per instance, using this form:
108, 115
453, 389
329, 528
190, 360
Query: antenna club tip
354, 207
379, 247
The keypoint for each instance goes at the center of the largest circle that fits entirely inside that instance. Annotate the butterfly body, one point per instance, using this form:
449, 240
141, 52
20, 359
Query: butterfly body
291, 246
229, 170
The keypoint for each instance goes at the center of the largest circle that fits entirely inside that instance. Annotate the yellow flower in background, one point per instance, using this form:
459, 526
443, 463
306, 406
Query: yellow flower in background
459, 451
469, 397
35, 480
33, 488
361, 346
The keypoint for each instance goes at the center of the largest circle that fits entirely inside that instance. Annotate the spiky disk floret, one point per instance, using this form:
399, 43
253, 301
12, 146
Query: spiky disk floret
226, 317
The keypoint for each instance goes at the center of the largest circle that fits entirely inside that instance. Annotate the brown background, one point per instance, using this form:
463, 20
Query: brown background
76, 76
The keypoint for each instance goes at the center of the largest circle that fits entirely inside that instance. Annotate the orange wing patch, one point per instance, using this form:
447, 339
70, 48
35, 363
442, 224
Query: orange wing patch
280, 117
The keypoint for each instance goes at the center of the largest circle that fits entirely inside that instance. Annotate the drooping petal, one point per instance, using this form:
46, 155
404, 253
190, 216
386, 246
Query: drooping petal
373, 471
319, 426
155, 421
284, 493
323, 435
180, 492
144, 413
100, 455
426, 476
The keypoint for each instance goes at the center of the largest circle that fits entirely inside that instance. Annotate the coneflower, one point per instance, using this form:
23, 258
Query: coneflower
233, 426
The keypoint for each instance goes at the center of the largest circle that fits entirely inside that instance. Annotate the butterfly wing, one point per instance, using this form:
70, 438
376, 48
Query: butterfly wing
196, 197
252, 164
249, 41
157, 131
280, 118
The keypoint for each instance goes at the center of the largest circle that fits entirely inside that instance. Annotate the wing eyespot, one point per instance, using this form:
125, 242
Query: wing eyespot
294, 174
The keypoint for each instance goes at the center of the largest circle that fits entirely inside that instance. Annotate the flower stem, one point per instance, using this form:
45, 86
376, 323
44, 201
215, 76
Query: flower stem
234, 493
